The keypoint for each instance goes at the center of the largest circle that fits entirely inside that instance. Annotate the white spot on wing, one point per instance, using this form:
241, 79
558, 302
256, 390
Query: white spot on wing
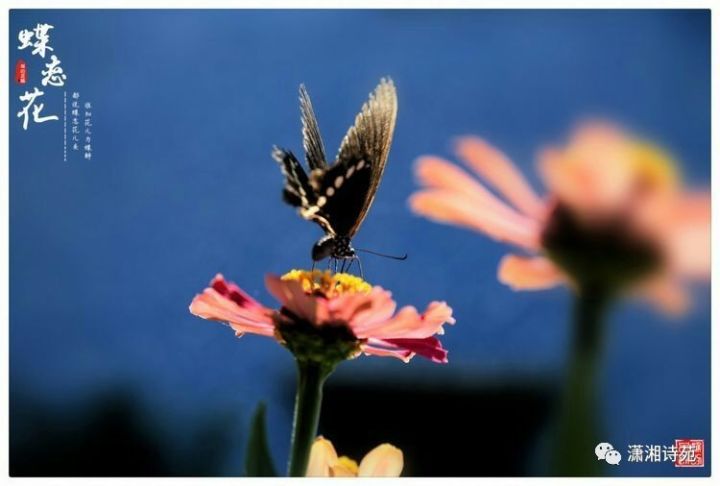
309, 212
338, 181
330, 191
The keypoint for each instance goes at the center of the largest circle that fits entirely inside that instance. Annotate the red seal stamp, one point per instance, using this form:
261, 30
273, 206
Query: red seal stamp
690, 453
21, 72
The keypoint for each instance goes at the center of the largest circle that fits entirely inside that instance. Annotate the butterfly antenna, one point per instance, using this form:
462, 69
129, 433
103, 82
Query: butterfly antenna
384, 255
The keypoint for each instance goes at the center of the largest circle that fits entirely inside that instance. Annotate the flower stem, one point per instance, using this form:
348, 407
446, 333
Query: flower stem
577, 429
311, 376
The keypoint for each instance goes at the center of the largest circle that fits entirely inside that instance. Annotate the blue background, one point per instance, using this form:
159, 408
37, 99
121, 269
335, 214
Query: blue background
107, 254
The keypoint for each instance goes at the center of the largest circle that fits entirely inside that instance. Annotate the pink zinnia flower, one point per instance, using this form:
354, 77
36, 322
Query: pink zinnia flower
328, 317
615, 210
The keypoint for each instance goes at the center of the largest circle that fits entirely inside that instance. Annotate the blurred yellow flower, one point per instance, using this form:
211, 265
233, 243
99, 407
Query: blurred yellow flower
383, 461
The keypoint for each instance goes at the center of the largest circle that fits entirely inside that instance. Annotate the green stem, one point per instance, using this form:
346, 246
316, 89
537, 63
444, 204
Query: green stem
577, 429
311, 376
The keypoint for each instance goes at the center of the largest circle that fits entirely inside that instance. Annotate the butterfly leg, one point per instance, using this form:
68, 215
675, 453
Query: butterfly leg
362, 275
312, 269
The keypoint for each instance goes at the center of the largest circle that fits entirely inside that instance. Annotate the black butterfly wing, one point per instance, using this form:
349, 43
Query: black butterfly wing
350, 184
341, 193
312, 142
298, 192
337, 189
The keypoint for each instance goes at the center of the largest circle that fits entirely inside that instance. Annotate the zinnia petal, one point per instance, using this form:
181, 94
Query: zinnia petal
529, 273
383, 307
375, 306
430, 348
492, 165
378, 347
449, 207
437, 173
408, 323
213, 305
667, 295
688, 236
292, 296
384, 461
595, 172
568, 184
234, 293
438, 313
322, 457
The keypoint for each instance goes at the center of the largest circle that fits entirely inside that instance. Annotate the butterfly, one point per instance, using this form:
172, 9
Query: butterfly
338, 196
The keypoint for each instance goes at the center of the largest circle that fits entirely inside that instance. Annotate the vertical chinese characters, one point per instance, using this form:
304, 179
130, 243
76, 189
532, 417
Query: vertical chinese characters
75, 120
88, 130
53, 75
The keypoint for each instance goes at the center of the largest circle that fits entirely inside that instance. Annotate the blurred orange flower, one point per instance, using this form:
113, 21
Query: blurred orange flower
328, 317
383, 461
616, 214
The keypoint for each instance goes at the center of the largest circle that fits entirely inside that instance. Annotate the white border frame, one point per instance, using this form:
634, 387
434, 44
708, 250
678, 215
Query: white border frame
208, 4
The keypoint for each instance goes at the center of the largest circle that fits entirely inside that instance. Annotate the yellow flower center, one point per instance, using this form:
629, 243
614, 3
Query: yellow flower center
345, 467
328, 284
653, 167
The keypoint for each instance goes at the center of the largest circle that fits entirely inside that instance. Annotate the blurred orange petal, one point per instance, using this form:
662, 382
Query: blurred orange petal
689, 237
492, 165
529, 273
448, 207
667, 295
438, 173
570, 184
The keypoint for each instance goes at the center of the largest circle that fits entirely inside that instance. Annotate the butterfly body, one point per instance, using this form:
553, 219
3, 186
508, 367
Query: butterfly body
332, 246
338, 196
